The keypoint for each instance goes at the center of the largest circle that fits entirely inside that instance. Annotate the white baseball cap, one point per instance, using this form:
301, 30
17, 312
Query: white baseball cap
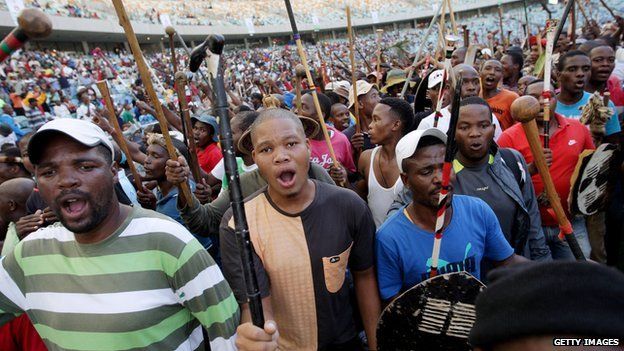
82, 131
406, 147
435, 78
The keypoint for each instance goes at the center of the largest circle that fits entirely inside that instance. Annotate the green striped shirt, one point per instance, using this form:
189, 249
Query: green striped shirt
149, 286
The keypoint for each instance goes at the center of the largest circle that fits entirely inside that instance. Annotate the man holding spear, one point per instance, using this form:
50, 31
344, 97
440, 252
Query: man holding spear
568, 138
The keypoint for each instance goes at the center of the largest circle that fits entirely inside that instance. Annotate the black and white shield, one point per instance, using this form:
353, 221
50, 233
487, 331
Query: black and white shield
436, 314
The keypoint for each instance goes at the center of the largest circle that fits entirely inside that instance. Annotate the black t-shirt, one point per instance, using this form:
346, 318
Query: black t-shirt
301, 262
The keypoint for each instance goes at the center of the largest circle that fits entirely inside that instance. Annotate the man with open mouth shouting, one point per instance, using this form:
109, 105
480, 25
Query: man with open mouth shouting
305, 234
142, 276
499, 99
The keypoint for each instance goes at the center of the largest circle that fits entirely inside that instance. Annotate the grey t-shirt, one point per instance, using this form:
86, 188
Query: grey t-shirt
478, 182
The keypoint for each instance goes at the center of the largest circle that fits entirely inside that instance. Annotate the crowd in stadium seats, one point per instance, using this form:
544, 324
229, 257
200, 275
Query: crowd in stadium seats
63, 73
229, 12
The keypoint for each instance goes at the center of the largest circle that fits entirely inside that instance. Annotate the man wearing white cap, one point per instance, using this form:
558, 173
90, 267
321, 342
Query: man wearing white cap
132, 270
404, 243
471, 86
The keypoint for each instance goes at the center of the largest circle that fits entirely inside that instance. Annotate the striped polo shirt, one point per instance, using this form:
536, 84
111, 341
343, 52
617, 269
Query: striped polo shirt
148, 286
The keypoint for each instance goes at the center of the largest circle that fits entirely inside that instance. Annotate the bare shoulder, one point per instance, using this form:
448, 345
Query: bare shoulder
364, 162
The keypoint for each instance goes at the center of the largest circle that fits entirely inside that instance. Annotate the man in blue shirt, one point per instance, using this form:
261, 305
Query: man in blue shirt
404, 243
164, 200
7, 118
574, 68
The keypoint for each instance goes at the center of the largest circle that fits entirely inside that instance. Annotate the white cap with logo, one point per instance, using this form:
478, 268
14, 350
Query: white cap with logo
406, 147
435, 78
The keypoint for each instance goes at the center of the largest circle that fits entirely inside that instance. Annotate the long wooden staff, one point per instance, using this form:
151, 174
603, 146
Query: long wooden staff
564, 17
32, 24
299, 75
370, 68
466, 36
420, 49
452, 17
442, 26
358, 127
319, 53
583, 13
524, 109
608, 8
445, 201
547, 94
180, 80
174, 66
379, 37
500, 24
147, 82
304, 61
449, 46
112, 119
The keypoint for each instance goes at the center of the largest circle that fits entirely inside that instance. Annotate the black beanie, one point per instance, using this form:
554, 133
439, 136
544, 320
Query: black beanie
556, 298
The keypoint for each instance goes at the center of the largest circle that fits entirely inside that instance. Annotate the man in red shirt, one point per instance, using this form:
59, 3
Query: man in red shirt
568, 138
206, 135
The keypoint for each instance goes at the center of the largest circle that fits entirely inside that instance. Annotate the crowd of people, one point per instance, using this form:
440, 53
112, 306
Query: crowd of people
229, 12
110, 242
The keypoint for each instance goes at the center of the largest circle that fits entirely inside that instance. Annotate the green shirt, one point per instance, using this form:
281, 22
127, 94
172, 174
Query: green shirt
10, 241
127, 116
149, 286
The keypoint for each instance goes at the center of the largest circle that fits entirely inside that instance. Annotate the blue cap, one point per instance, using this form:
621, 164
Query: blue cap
288, 99
211, 121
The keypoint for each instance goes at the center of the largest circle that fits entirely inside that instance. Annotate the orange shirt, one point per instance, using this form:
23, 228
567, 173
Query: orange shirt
501, 107
16, 100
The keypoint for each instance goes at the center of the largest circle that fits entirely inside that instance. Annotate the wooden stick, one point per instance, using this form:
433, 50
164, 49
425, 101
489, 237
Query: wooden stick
420, 50
358, 126
370, 68
452, 17
124, 21
442, 23
299, 76
304, 61
546, 94
583, 13
466, 36
181, 81
112, 119
608, 8
500, 23
379, 37
32, 24
11, 159
174, 65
